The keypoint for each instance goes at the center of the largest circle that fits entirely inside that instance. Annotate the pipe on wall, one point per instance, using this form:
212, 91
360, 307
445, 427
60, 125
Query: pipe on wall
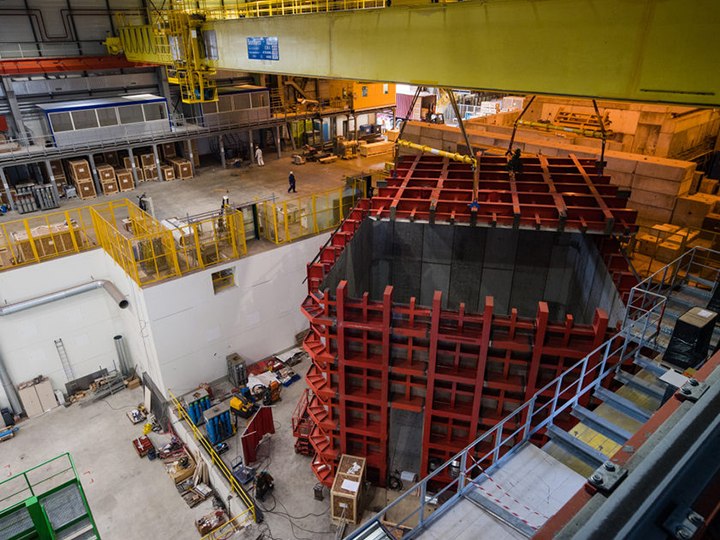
9, 309
109, 287
10, 390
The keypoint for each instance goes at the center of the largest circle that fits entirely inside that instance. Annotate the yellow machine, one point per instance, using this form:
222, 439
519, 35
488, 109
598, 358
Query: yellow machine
242, 407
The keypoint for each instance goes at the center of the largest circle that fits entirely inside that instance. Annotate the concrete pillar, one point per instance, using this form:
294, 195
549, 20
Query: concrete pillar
221, 144
15, 113
157, 162
191, 157
6, 186
133, 169
52, 179
277, 141
96, 179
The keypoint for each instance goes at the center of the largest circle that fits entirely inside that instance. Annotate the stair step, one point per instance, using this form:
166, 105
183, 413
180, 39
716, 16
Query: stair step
500, 513
576, 447
656, 391
601, 425
649, 365
623, 405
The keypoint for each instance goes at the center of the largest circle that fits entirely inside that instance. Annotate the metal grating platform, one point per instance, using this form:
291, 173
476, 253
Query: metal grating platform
64, 506
15, 524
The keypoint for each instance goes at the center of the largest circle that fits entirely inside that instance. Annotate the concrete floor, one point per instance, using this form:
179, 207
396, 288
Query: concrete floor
204, 192
134, 498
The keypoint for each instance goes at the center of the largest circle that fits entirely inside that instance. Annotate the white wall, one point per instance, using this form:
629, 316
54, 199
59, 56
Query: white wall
86, 323
195, 329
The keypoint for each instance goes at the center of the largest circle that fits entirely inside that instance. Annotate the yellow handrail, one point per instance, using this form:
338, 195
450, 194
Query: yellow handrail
234, 484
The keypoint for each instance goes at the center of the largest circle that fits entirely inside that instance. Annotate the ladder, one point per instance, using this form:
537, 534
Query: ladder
62, 353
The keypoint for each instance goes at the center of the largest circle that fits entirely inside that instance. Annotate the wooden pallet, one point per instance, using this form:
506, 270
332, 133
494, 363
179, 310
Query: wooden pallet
580, 120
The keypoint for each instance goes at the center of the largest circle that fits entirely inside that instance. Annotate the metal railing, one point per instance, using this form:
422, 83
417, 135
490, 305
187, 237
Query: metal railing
466, 469
182, 414
40, 148
286, 221
39, 238
699, 265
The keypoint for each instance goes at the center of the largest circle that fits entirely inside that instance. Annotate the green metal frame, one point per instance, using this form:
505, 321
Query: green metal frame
43, 529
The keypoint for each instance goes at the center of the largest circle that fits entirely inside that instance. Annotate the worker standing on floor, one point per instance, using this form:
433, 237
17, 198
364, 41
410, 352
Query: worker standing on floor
291, 180
258, 156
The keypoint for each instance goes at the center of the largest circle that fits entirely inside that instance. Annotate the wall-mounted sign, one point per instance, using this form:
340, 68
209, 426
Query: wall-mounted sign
263, 48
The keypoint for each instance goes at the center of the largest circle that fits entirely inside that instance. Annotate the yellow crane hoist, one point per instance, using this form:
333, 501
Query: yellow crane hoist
173, 38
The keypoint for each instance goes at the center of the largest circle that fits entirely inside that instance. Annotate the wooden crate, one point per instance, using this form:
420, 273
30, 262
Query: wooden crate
106, 173
86, 190
150, 173
140, 174
147, 160
80, 170
125, 179
168, 150
182, 167
168, 173
376, 149
111, 158
109, 186
128, 165
48, 241
57, 168
347, 489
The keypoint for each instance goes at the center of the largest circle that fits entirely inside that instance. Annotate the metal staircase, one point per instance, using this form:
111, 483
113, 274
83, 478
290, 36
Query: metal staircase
515, 477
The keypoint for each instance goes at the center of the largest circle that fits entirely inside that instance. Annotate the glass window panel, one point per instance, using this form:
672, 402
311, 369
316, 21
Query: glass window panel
107, 116
259, 99
242, 101
130, 114
225, 104
85, 119
61, 121
210, 107
154, 111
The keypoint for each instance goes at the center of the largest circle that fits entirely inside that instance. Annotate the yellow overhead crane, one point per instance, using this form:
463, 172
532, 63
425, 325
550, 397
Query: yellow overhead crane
658, 51
173, 37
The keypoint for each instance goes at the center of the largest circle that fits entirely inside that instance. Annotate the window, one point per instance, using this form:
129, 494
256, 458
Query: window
211, 48
210, 107
258, 100
61, 121
223, 279
85, 119
364, 91
107, 116
154, 111
242, 101
386, 88
225, 104
130, 114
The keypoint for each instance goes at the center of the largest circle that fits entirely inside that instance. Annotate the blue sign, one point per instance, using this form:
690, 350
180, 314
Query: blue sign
263, 48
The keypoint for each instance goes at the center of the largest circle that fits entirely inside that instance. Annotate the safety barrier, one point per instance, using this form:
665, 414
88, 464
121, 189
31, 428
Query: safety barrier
216, 461
286, 221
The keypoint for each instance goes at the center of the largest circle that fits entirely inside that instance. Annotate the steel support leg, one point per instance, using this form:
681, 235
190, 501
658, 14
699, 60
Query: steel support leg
52, 180
157, 162
96, 179
6, 186
133, 169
